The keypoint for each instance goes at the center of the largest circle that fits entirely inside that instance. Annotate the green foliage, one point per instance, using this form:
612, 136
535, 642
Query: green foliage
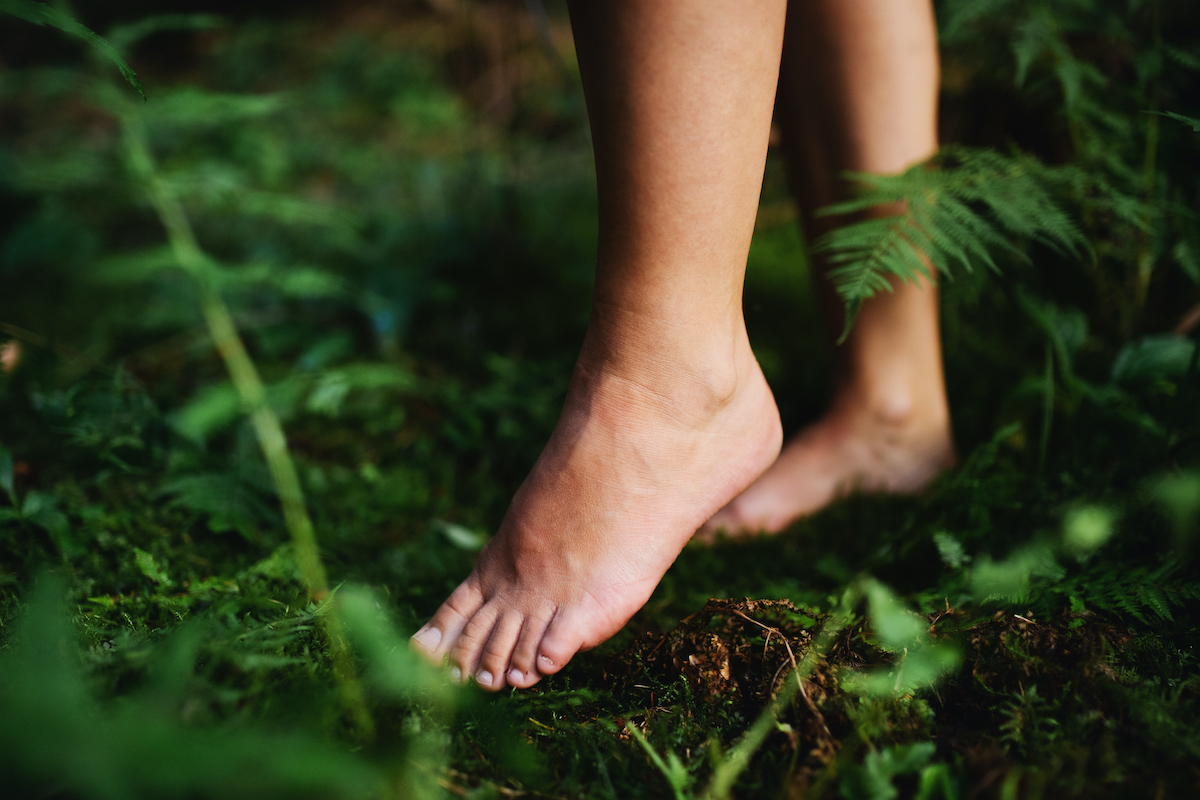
1030, 724
1141, 592
1195, 123
1153, 358
1179, 496
672, 768
920, 662
873, 780
45, 14
55, 733
958, 208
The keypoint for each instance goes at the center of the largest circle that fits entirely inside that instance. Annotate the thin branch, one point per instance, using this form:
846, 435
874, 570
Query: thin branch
250, 388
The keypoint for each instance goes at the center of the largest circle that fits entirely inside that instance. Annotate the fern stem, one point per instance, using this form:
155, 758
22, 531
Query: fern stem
252, 392
1145, 261
1047, 409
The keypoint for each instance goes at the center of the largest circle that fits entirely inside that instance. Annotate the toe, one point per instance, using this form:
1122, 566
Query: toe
467, 649
523, 670
558, 645
438, 635
493, 664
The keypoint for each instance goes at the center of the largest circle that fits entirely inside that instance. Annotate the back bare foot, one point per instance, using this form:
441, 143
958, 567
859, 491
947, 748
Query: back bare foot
856, 447
640, 458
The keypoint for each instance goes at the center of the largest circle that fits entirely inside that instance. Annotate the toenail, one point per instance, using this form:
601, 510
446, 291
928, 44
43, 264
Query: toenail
548, 661
429, 638
456, 674
484, 678
516, 676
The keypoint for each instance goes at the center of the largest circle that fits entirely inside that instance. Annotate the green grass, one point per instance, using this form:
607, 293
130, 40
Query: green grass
405, 249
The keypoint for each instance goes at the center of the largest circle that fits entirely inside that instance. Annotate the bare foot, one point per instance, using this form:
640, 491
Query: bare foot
640, 458
856, 447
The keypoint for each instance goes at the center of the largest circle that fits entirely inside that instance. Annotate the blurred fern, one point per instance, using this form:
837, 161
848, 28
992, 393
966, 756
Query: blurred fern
1030, 723
961, 208
1138, 215
43, 14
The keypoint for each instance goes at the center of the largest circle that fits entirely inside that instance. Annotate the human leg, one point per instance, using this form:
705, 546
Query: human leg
667, 416
858, 91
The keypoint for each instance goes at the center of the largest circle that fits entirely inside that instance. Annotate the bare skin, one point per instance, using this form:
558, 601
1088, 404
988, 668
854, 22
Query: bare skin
667, 417
858, 91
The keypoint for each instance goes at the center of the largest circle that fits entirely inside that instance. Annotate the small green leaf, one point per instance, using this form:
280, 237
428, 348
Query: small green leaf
672, 769
193, 107
1195, 123
896, 626
460, 536
328, 394
953, 554
150, 567
391, 665
36, 502
211, 409
1010, 579
1152, 358
916, 668
873, 779
279, 566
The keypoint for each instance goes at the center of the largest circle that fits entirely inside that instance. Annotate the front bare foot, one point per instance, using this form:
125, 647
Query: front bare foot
640, 458
858, 446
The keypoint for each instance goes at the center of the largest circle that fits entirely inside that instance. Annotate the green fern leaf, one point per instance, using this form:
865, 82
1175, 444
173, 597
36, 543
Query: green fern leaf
963, 207
1154, 598
1195, 123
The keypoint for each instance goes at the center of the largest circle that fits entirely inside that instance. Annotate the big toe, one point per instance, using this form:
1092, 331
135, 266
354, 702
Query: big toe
436, 637
560, 643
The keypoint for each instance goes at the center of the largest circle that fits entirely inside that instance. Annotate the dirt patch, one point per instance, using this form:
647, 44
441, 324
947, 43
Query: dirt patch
736, 654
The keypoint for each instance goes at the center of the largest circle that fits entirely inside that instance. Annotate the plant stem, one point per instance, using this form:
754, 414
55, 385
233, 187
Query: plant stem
248, 383
1047, 409
1145, 261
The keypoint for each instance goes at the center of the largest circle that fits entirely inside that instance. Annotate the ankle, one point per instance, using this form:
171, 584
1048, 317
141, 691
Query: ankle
922, 410
701, 369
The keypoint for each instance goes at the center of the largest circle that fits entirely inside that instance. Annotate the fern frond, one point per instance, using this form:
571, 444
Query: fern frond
962, 207
42, 14
1138, 593
1154, 598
